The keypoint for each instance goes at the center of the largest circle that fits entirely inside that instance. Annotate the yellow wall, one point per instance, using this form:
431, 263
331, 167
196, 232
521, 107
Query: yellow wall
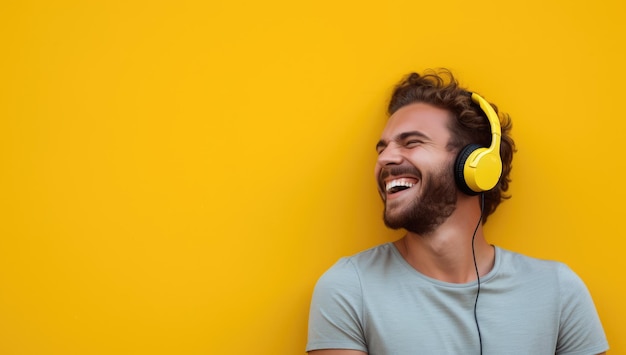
177, 174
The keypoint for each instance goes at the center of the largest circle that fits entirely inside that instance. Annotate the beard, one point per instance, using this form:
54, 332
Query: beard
429, 210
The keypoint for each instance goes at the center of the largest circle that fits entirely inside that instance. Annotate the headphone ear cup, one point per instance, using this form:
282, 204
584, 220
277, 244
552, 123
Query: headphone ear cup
459, 169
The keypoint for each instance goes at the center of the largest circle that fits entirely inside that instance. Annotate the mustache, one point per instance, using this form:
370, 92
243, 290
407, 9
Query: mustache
398, 170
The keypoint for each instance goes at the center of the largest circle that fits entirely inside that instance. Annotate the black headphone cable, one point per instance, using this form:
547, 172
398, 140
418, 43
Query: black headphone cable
482, 209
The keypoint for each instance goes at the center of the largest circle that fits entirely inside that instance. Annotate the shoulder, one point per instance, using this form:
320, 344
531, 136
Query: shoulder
555, 283
544, 274
526, 266
524, 261
336, 316
553, 279
348, 271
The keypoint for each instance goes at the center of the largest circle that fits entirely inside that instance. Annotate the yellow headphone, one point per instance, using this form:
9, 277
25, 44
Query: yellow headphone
477, 168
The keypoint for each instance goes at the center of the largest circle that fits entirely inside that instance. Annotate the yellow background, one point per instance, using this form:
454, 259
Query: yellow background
176, 175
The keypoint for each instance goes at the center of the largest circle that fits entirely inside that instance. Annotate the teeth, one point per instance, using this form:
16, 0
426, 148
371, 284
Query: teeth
399, 182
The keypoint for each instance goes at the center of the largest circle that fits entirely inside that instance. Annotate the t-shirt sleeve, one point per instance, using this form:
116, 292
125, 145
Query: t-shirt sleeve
336, 314
580, 330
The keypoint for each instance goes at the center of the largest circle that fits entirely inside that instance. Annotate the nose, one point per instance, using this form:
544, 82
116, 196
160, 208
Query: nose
390, 155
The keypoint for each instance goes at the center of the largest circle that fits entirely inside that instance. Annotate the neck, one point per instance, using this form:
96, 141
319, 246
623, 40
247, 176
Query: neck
446, 253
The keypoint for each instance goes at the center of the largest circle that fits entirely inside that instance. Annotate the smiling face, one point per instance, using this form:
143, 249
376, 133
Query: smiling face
414, 169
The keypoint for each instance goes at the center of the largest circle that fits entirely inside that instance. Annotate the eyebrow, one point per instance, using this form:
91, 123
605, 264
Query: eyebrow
400, 137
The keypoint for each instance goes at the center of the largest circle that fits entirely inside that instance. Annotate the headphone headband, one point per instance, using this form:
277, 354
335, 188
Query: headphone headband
477, 168
494, 121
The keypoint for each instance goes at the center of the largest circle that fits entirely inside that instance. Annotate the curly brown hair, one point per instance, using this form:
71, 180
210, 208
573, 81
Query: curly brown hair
440, 89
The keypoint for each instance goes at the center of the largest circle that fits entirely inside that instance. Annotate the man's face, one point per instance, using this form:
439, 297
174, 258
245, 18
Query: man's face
414, 169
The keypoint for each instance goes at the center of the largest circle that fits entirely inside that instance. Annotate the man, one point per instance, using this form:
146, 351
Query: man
443, 167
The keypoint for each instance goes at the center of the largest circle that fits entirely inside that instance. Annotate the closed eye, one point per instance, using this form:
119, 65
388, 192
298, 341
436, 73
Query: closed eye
413, 142
408, 140
412, 139
380, 146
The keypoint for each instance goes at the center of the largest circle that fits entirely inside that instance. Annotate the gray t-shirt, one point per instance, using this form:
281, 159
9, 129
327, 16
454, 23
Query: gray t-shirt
377, 303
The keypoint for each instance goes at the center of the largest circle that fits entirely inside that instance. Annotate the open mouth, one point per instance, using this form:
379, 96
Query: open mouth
397, 185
